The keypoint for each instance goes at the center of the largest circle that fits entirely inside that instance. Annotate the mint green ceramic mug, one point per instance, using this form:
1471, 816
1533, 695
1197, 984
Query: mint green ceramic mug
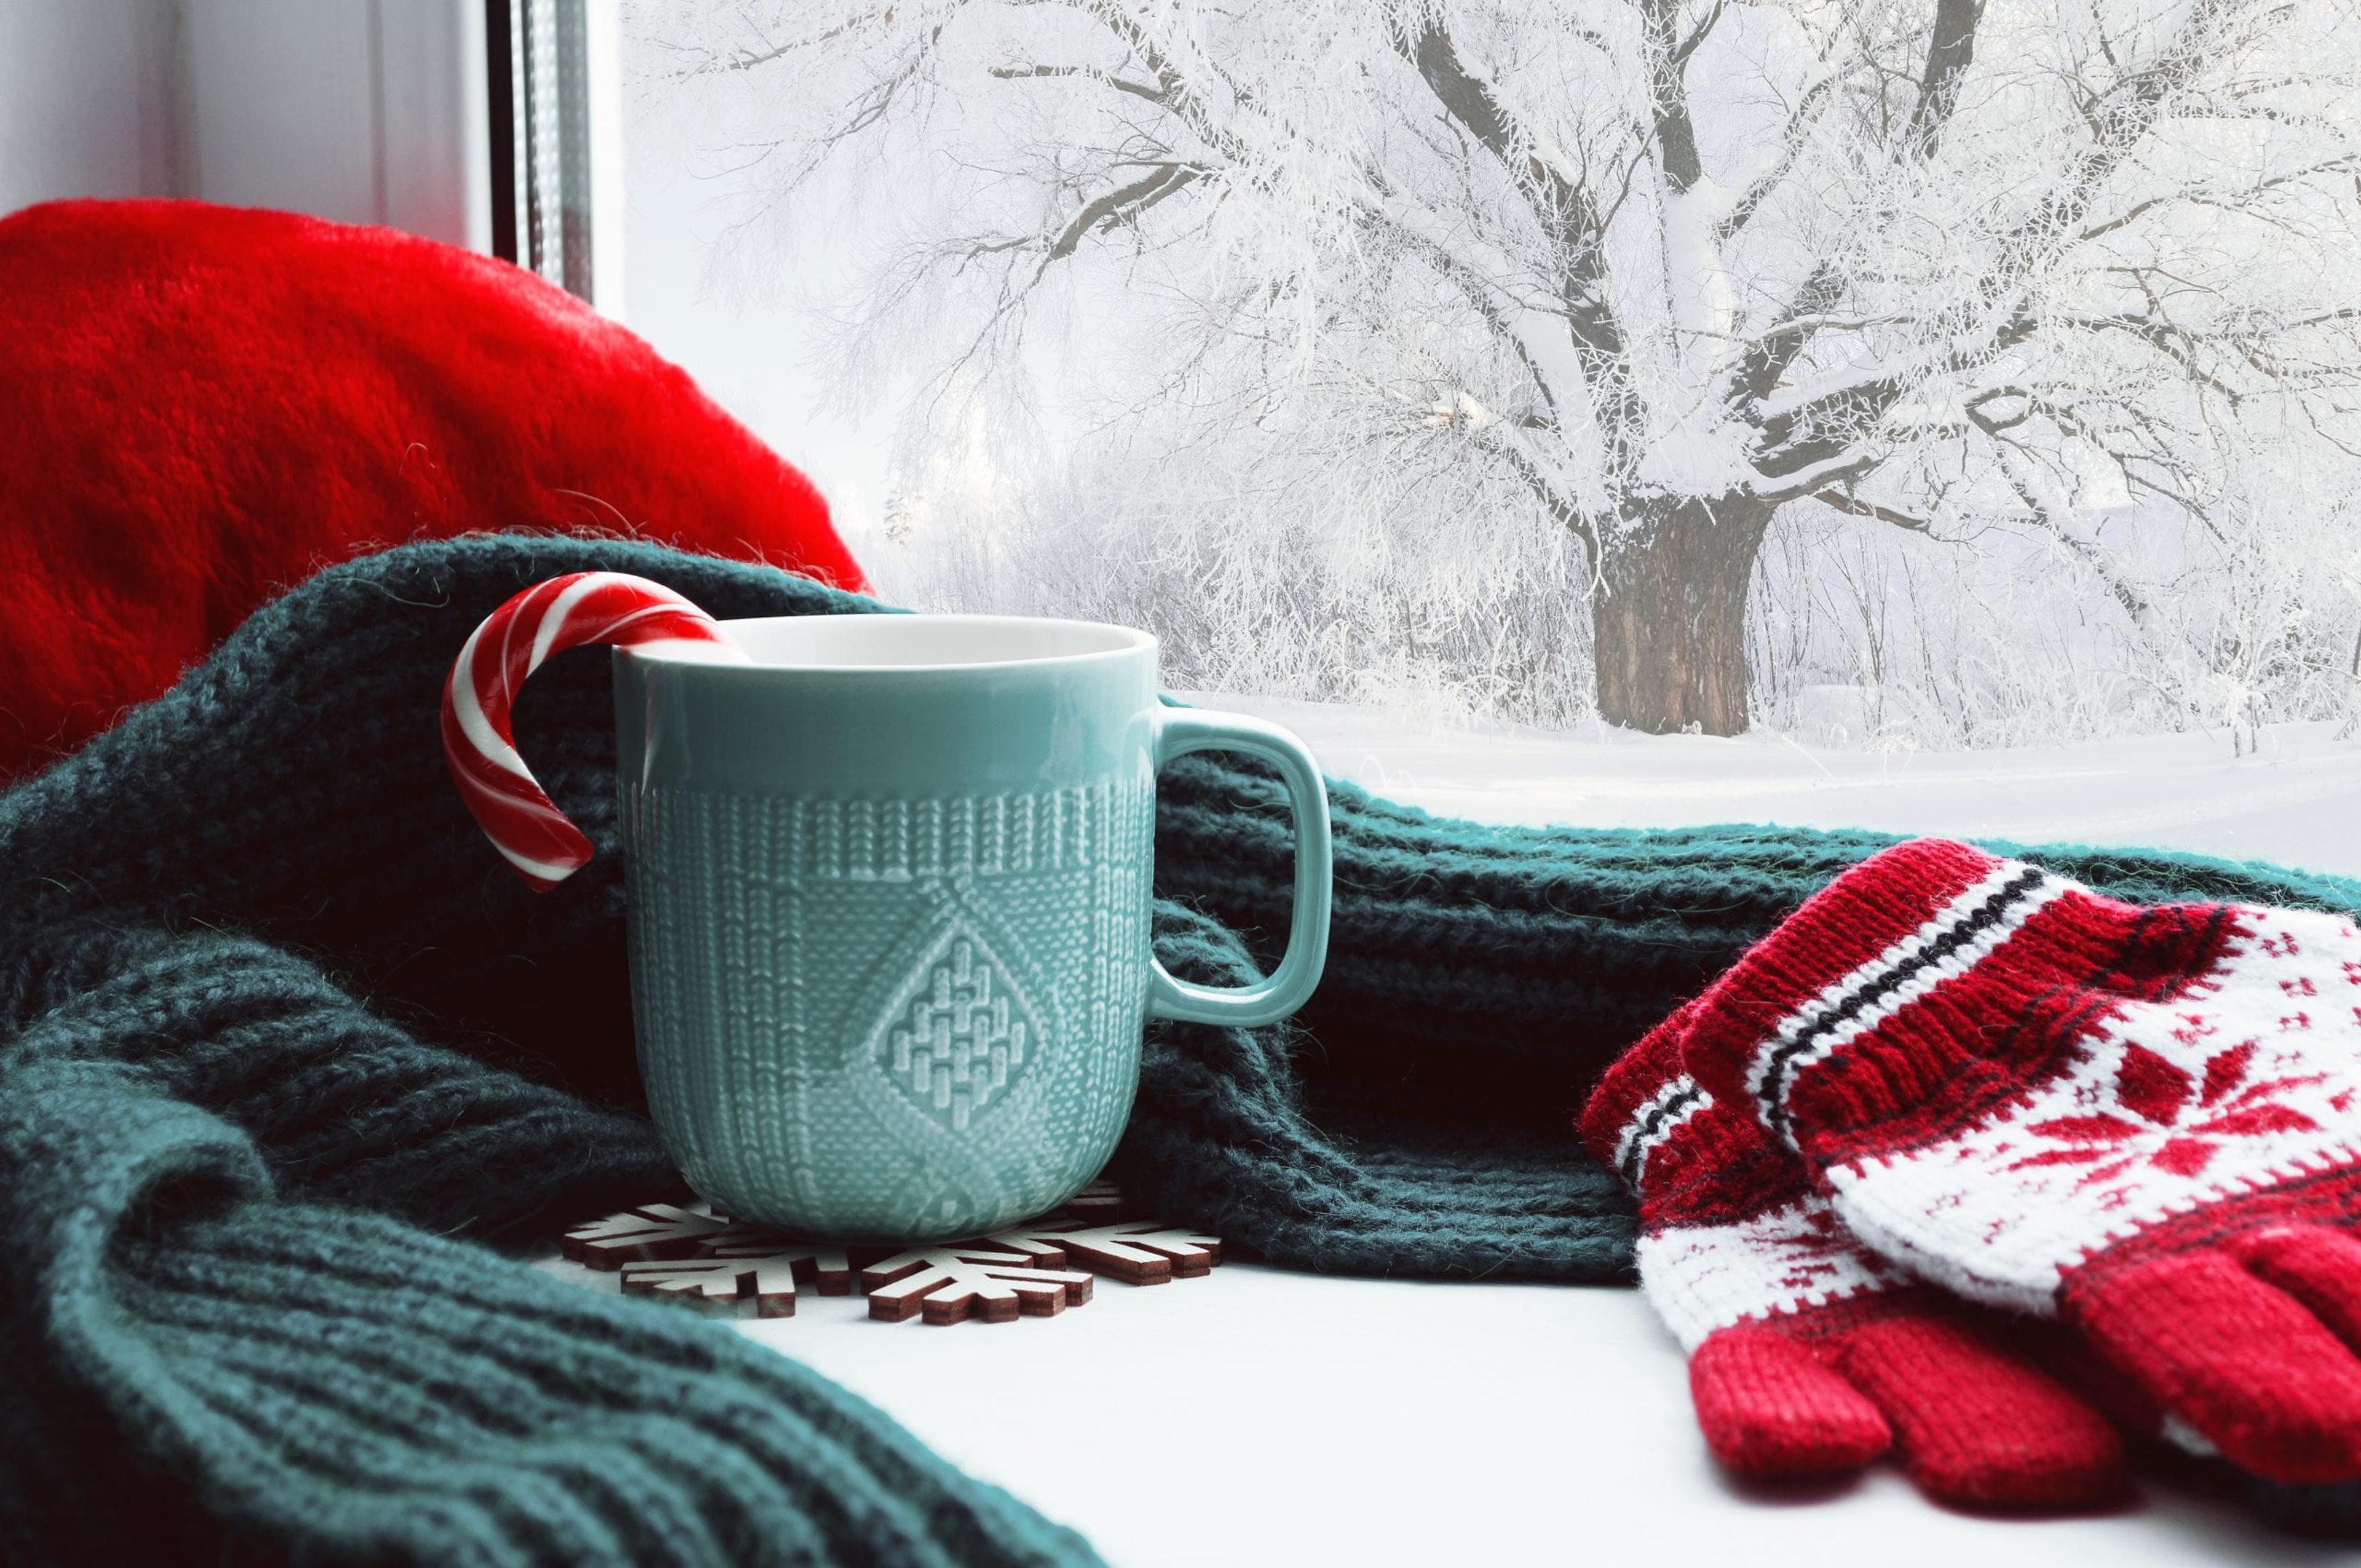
889, 889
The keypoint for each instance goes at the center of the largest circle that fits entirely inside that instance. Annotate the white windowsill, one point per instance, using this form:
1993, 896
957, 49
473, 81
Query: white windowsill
1261, 1417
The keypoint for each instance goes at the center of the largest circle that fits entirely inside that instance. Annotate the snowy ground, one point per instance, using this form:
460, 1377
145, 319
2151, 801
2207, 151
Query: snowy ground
1259, 1417
2296, 801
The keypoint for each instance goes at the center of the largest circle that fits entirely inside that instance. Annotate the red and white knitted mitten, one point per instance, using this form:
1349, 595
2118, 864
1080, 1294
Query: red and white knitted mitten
1809, 1355
2145, 1121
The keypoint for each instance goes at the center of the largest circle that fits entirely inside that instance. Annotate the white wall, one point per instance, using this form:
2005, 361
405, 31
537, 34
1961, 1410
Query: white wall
367, 111
83, 100
436, 150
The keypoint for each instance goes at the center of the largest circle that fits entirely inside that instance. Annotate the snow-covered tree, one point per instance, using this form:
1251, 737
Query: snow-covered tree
1651, 269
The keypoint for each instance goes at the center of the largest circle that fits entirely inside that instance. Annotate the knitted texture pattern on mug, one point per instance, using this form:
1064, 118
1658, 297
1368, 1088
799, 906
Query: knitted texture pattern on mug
282, 1043
2145, 1120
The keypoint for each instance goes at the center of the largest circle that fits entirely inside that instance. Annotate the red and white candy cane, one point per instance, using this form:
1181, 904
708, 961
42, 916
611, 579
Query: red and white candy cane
564, 612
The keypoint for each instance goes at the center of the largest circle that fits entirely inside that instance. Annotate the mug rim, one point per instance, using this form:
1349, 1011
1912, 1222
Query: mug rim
1126, 642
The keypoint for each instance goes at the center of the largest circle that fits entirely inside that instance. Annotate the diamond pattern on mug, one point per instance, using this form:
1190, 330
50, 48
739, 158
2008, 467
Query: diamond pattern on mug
962, 1031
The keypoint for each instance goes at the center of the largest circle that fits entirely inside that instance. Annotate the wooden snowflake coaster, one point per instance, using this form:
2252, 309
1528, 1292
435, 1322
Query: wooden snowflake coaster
1099, 1201
1138, 1252
1036, 1269
663, 1250
952, 1282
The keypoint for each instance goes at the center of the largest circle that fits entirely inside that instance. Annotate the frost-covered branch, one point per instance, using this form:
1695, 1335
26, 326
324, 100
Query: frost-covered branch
1124, 204
1569, 223
1844, 500
1103, 78
1950, 50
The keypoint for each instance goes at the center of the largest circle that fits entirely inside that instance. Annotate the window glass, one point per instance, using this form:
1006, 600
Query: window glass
1874, 382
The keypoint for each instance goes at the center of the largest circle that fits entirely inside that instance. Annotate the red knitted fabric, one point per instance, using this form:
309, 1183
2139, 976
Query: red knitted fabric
1808, 1355
2144, 1121
203, 405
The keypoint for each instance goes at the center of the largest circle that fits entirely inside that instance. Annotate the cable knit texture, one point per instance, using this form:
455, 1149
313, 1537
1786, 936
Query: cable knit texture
284, 1046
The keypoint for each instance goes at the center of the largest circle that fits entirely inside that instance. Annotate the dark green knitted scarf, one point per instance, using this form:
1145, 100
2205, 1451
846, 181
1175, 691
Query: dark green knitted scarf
286, 1054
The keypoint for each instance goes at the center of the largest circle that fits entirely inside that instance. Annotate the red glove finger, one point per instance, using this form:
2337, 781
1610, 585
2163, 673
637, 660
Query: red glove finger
2239, 1361
1978, 1424
1773, 1411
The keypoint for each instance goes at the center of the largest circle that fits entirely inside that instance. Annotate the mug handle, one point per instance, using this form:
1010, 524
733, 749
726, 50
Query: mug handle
1180, 732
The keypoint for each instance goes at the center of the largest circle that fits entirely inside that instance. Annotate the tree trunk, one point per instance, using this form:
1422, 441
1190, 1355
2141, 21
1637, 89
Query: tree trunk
1670, 618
